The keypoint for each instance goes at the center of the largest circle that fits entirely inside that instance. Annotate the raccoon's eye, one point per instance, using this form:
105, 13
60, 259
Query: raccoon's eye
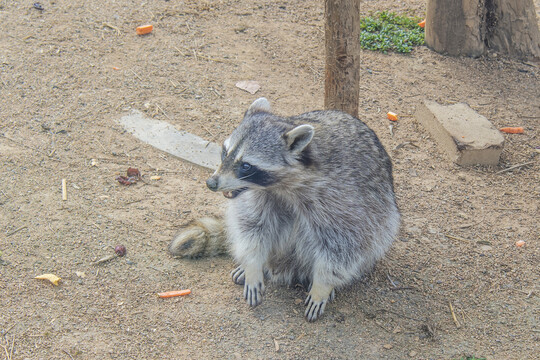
245, 167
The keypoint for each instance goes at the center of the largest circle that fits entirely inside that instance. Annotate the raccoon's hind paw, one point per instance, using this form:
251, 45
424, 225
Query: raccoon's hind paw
238, 276
316, 302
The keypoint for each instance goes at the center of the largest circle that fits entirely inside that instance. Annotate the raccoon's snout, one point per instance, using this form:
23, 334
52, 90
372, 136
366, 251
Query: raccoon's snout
212, 183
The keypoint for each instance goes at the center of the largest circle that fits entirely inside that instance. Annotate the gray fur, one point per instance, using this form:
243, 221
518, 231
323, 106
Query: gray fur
319, 210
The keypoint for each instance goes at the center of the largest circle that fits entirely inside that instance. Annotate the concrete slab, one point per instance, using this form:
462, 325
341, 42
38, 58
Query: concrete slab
165, 137
467, 137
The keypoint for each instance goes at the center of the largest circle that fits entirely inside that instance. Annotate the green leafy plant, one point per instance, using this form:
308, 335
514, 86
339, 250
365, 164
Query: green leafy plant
390, 32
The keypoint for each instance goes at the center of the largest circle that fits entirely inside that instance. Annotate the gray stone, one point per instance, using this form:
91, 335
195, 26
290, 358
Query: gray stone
467, 137
165, 137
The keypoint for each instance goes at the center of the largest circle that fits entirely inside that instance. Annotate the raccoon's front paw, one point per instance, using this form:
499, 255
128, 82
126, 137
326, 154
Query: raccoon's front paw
238, 276
316, 302
253, 293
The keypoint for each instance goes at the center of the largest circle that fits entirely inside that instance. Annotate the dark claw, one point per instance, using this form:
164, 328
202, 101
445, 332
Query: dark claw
238, 276
253, 295
314, 310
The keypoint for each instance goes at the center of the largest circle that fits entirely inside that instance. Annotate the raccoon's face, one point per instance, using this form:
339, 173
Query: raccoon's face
260, 152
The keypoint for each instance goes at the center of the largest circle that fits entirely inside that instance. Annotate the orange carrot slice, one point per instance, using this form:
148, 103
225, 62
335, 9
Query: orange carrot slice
422, 23
144, 29
392, 116
169, 294
512, 130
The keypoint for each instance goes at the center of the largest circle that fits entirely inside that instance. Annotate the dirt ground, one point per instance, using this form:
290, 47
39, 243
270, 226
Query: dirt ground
70, 71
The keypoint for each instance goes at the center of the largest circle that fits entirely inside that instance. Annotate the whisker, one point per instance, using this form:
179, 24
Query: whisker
245, 177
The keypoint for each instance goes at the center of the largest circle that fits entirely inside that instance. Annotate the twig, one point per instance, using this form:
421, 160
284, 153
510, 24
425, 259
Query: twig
68, 354
198, 55
382, 327
105, 259
502, 208
64, 190
403, 288
391, 281
214, 59
103, 147
133, 202
12, 345
8, 330
208, 131
5, 350
457, 238
164, 113
118, 32
137, 76
16, 231
515, 166
397, 147
454, 315
9, 354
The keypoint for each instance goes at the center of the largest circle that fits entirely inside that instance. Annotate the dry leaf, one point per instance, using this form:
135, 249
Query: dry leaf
248, 85
133, 172
51, 277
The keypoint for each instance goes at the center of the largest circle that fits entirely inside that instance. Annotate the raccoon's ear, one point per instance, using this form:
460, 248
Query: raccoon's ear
259, 105
298, 138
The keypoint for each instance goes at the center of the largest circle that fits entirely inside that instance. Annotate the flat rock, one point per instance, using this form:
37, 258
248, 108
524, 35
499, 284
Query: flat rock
467, 137
165, 137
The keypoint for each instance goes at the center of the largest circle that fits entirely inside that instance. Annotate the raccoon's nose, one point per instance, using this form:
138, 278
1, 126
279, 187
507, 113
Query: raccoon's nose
212, 183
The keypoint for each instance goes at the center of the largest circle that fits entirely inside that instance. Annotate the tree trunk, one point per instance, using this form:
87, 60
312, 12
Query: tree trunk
471, 27
342, 73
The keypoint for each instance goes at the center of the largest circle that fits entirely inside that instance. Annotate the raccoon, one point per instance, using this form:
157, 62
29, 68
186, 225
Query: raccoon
311, 201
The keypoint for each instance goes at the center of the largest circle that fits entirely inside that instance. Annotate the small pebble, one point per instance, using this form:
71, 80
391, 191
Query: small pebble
120, 250
413, 353
486, 248
520, 243
388, 346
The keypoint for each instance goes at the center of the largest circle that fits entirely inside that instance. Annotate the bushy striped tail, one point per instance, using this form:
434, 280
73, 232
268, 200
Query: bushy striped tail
202, 238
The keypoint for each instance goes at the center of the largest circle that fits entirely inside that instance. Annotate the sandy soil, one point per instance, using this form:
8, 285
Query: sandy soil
69, 71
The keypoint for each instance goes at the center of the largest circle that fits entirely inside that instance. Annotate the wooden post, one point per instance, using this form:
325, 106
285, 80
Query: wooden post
342, 73
471, 27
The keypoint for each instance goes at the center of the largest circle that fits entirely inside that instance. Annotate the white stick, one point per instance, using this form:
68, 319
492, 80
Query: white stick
64, 190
